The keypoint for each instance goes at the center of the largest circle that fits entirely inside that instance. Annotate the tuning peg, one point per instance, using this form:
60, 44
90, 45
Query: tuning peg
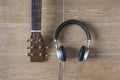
40, 54
32, 47
39, 40
30, 54
46, 55
28, 47
46, 47
40, 47
28, 40
32, 40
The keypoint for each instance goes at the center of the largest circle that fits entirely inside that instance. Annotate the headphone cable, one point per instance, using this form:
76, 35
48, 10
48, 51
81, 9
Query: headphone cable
60, 71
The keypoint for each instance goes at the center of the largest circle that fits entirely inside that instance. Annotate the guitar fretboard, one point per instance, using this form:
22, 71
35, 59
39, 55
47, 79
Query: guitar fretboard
36, 6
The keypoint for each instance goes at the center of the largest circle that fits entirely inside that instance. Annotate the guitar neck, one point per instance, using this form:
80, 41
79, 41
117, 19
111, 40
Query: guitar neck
36, 13
37, 46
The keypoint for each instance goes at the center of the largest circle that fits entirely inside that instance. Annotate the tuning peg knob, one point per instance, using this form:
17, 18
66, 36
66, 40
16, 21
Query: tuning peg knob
28, 47
46, 47
40, 47
30, 54
46, 40
40, 54
46, 55
39, 40
31, 47
31, 40
28, 40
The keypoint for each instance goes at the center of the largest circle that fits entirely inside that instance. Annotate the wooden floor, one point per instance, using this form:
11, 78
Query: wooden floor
103, 19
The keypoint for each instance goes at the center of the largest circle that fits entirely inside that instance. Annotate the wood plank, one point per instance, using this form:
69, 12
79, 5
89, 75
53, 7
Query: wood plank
102, 17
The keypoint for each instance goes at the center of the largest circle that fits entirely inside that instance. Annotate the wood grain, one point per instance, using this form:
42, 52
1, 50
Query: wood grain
102, 17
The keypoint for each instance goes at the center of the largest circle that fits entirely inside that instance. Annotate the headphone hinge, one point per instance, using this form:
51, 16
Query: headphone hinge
55, 41
88, 43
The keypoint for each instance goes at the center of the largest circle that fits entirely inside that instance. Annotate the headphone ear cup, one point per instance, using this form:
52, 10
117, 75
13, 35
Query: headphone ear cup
61, 54
81, 53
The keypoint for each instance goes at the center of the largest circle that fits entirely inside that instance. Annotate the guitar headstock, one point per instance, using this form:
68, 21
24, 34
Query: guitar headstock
37, 48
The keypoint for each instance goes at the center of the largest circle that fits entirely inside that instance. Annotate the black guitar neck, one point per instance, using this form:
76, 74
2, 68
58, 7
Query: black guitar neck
36, 6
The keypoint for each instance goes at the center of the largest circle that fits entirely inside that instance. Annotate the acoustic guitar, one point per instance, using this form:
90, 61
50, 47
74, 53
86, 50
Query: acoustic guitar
37, 44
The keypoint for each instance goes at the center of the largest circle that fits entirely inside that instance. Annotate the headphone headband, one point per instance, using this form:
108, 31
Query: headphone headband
68, 22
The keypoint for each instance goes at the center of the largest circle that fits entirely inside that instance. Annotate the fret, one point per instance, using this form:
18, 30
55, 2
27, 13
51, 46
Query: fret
36, 26
36, 14
36, 10
36, 20
36, 7
36, 1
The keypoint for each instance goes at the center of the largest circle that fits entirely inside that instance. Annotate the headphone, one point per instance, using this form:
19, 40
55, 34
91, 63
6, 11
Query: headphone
84, 51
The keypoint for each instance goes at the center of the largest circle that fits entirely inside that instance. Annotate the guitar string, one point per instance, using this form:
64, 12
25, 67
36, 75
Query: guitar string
40, 5
36, 13
38, 17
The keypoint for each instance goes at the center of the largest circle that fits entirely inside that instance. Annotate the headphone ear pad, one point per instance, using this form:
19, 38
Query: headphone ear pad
81, 53
63, 54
